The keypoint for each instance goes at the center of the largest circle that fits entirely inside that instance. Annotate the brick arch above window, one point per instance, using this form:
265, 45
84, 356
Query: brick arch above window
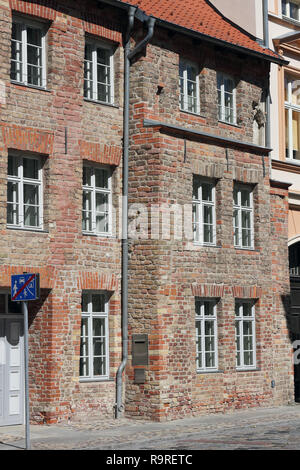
27, 139
40, 8
100, 153
208, 290
98, 281
246, 292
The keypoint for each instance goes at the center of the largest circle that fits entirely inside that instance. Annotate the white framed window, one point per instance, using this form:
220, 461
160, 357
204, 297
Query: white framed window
206, 334
94, 337
24, 192
292, 117
243, 216
28, 53
99, 72
97, 200
226, 98
204, 211
291, 9
245, 339
189, 87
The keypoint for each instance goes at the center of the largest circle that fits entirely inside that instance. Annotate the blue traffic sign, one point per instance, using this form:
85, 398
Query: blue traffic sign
24, 287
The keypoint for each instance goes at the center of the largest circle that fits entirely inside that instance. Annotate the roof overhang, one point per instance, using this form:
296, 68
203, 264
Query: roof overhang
195, 34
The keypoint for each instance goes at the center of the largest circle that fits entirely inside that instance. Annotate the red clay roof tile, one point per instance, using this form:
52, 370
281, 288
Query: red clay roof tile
201, 16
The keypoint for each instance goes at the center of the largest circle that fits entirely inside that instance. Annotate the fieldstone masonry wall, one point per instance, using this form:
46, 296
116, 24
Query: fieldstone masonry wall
165, 275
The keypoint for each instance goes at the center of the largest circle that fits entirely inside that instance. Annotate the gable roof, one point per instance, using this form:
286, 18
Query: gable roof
202, 18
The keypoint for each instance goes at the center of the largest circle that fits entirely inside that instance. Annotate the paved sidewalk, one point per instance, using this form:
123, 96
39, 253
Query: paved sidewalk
262, 428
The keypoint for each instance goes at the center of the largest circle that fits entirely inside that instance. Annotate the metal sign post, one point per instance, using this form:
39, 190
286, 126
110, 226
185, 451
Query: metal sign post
27, 418
25, 287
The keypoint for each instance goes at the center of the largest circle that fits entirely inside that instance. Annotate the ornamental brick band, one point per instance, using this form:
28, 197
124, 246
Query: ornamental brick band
246, 292
208, 290
97, 281
26, 138
100, 153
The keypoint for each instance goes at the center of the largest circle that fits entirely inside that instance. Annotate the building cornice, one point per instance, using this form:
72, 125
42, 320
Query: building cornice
199, 134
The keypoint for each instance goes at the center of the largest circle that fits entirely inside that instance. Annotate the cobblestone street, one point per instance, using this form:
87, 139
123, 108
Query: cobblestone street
258, 429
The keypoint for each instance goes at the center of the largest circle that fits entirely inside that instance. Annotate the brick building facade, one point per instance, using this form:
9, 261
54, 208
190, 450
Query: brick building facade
194, 148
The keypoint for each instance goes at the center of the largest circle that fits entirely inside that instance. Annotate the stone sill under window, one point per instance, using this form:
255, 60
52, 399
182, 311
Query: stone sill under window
292, 161
193, 114
201, 372
93, 380
256, 369
32, 87
231, 124
288, 19
27, 229
203, 245
243, 250
98, 235
110, 105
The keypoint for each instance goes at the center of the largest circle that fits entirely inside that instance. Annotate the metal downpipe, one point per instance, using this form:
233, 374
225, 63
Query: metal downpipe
128, 56
124, 295
268, 99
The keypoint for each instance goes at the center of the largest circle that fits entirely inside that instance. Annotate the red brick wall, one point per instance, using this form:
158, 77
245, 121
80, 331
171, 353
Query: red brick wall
34, 120
165, 275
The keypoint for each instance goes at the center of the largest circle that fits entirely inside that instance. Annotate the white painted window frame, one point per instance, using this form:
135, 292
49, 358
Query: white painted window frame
241, 209
222, 116
198, 205
184, 65
202, 319
25, 23
20, 181
90, 315
93, 189
288, 10
290, 108
94, 76
241, 318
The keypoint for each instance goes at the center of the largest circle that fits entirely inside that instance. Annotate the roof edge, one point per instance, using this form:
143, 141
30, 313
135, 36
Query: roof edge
195, 34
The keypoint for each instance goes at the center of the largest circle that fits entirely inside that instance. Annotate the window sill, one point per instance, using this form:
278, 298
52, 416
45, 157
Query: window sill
192, 113
204, 245
249, 369
27, 229
98, 235
110, 105
96, 380
201, 372
232, 124
239, 248
288, 19
32, 87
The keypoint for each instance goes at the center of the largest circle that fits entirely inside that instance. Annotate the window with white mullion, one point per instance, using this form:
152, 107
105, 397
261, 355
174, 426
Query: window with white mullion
94, 357
189, 87
243, 217
292, 116
204, 218
245, 336
98, 73
24, 193
206, 334
96, 211
226, 98
291, 9
28, 54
